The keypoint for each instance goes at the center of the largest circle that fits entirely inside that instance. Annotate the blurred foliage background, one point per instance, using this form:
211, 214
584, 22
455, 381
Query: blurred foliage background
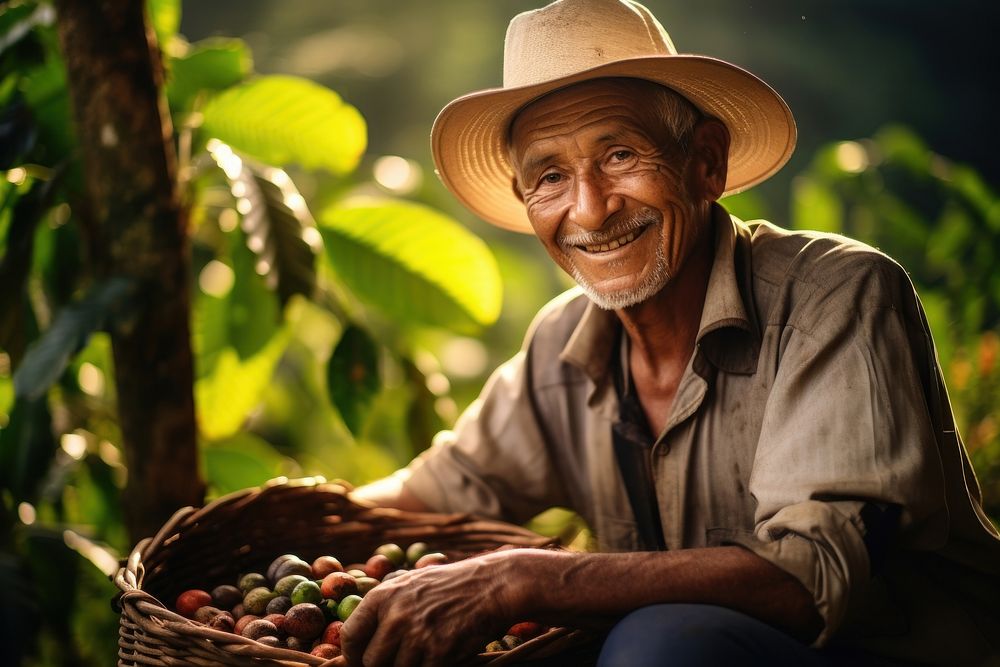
345, 307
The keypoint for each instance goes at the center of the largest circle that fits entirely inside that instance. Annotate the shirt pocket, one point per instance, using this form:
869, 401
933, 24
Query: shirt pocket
617, 534
718, 537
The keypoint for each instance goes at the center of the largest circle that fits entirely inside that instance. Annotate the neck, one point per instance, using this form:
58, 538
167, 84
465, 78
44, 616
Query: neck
662, 329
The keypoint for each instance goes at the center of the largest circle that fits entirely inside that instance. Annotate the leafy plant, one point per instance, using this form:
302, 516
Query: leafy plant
283, 307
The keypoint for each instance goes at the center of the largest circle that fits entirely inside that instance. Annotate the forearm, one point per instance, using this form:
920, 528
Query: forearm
390, 492
589, 589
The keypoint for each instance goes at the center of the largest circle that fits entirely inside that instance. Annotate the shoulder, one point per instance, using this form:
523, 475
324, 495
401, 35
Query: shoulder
804, 277
780, 254
555, 322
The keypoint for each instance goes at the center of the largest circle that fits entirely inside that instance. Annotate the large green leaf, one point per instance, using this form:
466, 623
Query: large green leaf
165, 15
281, 120
414, 263
275, 222
240, 462
352, 376
226, 397
211, 65
49, 356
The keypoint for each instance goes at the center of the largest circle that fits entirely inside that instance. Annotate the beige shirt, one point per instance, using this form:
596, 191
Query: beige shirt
812, 401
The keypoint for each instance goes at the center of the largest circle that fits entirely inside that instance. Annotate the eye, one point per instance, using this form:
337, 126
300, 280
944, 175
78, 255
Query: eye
621, 155
550, 178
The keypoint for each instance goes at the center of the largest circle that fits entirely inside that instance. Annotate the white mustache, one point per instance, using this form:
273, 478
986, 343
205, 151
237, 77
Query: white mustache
618, 228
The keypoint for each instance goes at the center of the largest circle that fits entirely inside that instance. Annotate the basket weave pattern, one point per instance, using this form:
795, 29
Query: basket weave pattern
244, 531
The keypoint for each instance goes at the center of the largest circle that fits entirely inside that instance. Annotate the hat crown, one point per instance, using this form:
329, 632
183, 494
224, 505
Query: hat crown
569, 36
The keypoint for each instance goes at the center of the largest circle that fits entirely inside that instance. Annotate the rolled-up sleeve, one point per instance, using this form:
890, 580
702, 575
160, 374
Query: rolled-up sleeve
495, 462
847, 460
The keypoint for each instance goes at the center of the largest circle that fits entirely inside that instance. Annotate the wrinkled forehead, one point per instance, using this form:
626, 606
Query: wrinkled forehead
627, 104
627, 91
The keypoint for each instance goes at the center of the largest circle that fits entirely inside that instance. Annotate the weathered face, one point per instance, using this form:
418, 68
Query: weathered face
606, 193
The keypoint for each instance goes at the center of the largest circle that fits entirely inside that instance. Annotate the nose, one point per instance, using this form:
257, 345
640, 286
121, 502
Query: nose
593, 201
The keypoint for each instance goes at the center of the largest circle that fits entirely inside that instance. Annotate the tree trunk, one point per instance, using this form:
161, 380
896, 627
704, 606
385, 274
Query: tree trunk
115, 77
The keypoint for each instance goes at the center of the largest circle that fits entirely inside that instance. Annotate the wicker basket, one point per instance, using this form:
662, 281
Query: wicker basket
246, 530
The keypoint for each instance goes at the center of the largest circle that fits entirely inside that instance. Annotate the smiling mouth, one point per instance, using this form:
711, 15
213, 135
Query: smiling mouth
614, 244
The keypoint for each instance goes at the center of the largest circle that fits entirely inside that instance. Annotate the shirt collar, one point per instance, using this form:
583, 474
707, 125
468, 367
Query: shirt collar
728, 333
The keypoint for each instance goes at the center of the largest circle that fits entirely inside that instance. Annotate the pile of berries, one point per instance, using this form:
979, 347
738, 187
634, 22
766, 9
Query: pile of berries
302, 606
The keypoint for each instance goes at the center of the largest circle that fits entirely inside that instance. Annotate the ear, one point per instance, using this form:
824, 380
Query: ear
516, 189
709, 159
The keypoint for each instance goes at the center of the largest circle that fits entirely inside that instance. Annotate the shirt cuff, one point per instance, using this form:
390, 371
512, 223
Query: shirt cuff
821, 545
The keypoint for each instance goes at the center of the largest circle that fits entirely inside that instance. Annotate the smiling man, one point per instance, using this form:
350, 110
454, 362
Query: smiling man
751, 420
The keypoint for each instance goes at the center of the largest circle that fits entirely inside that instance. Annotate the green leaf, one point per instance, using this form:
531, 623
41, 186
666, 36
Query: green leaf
49, 356
211, 65
17, 132
18, 21
239, 462
226, 397
276, 223
15, 320
165, 15
414, 263
46, 93
281, 120
815, 206
352, 376
27, 447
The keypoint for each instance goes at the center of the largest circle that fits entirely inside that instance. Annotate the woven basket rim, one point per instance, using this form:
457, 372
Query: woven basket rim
158, 618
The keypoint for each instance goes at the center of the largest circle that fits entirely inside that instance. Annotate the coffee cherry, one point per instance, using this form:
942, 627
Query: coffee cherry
325, 651
271, 640
431, 559
190, 601
332, 633
273, 567
278, 605
286, 585
250, 581
226, 596
526, 630
279, 622
415, 551
255, 602
305, 621
243, 622
259, 628
206, 613
223, 622
347, 606
365, 584
337, 585
324, 565
394, 553
307, 591
292, 566
296, 644
378, 566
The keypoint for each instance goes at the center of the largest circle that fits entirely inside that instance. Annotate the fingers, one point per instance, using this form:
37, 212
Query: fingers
358, 630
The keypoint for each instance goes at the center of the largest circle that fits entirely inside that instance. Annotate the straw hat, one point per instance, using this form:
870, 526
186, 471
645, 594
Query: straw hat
570, 41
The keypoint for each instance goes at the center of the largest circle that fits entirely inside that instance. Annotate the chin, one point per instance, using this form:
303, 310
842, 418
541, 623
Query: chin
612, 299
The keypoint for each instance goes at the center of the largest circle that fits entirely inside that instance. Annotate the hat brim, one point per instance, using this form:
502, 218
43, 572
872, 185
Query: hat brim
468, 139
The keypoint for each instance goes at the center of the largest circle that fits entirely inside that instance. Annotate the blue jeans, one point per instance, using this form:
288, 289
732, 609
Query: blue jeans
695, 635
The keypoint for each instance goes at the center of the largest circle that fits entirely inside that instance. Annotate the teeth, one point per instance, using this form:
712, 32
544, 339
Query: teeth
617, 243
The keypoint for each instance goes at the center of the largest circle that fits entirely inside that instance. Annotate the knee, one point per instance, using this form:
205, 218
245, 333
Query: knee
676, 634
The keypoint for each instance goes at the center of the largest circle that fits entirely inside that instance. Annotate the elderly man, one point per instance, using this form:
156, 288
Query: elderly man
751, 419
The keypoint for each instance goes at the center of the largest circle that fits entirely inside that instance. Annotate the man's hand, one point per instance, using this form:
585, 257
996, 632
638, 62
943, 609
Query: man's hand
431, 616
